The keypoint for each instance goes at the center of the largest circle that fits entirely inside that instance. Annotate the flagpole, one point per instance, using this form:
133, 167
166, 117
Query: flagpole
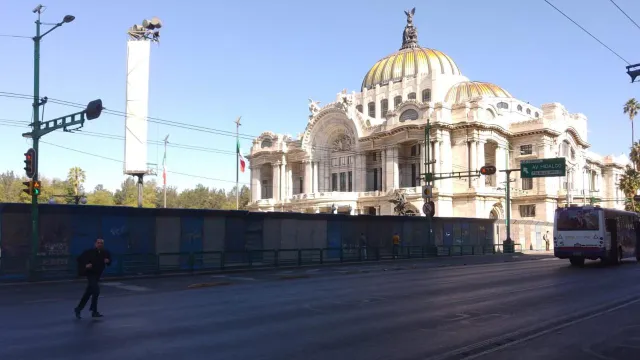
164, 171
237, 161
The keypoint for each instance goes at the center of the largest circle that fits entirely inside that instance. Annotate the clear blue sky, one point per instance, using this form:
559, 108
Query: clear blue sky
263, 59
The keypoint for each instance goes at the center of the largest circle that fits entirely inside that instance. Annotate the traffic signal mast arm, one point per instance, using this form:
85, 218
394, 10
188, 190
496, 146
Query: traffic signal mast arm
485, 170
92, 111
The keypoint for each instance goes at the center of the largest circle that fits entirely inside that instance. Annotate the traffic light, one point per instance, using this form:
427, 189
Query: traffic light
33, 187
488, 170
30, 162
36, 188
633, 74
94, 109
29, 185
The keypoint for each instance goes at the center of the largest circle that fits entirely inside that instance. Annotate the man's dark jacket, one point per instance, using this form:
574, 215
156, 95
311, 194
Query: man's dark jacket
94, 257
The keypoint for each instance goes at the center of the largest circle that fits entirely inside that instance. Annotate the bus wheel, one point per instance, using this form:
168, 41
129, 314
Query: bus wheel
577, 261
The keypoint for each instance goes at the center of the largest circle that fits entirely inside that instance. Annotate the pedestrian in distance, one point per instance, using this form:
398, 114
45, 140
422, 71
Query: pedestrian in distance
363, 246
396, 245
91, 264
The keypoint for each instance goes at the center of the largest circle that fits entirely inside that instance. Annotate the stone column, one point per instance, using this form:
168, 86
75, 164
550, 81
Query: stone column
316, 176
423, 158
473, 160
501, 164
275, 187
395, 161
284, 184
290, 180
362, 170
436, 157
308, 177
255, 184
481, 163
383, 175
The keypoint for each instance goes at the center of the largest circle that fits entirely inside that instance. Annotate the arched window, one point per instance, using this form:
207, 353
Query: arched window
384, 107
266, 143
502, 105
396, 101
536, 115
359, 108
411, 96
519, 107
409, 114
426, 95
372, 109
528, 111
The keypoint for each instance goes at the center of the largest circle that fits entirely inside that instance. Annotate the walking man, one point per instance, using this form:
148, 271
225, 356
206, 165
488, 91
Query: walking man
91, 264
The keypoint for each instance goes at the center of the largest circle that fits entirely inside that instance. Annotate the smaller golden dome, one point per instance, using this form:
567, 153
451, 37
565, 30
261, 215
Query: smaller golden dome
466, 90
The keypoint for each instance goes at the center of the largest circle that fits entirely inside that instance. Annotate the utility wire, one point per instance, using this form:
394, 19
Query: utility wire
120, 161
16, 36
625, 14
587, 32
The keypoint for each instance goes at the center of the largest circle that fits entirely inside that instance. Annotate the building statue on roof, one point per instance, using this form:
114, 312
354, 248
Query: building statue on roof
410, 34
314, 108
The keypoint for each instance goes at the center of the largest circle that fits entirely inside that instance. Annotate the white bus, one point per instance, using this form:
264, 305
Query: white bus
588, 232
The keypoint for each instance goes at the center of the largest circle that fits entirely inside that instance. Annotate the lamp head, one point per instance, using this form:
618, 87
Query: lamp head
68, 18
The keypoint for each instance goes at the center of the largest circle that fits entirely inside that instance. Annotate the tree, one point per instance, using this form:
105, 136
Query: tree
100, 196
629, 185
631, 108
76, 179
66, 191
634, 155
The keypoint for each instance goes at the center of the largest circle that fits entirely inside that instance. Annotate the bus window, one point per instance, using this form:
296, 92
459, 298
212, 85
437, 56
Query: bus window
578, 220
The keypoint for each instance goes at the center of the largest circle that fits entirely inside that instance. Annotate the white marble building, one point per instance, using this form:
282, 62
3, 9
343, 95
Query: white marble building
357, 150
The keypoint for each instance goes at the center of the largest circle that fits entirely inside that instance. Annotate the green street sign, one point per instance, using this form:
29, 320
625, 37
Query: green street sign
536, 168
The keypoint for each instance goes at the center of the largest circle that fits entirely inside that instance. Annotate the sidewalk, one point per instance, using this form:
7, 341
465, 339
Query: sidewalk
537, 252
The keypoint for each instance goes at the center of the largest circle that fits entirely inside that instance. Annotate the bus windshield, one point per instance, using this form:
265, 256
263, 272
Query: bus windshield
579, 219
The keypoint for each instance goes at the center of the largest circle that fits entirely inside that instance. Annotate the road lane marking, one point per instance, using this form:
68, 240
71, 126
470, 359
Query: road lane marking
502, 342
119, 285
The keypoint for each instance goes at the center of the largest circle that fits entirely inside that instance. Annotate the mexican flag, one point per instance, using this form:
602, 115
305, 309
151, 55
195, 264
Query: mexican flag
241, 158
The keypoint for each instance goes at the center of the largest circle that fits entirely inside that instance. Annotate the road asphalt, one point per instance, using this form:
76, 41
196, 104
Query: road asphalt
498, 308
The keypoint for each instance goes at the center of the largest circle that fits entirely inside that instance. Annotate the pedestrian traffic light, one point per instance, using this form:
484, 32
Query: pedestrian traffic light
36, 188
30, 162
488, 170
29, 185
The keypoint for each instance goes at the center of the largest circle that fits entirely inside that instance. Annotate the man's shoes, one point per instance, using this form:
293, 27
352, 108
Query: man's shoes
96, 314
77, 312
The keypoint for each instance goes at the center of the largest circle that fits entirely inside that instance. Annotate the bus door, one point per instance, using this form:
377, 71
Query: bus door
611, 239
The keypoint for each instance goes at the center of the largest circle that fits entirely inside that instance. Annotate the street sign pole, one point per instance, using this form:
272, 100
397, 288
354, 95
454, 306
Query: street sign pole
508, 209
427, 165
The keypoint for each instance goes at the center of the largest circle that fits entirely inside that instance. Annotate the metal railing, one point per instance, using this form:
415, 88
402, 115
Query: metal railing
56, 267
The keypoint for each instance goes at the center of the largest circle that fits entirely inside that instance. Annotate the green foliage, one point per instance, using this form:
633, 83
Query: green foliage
66, 191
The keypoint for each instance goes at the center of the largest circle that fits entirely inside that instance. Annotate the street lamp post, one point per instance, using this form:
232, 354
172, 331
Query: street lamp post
35, 134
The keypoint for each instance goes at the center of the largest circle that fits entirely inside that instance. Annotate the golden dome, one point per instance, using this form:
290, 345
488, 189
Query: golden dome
409, 62
466, 90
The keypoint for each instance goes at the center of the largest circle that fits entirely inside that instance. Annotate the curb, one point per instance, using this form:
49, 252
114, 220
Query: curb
251, 270
292, 277
210, 284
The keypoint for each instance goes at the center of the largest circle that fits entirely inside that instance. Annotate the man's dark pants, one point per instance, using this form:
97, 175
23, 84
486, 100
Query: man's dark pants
92, 291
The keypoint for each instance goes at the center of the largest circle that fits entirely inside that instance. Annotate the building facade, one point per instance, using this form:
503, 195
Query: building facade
357, 151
